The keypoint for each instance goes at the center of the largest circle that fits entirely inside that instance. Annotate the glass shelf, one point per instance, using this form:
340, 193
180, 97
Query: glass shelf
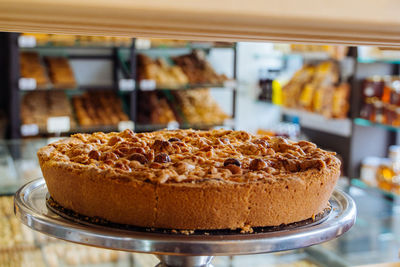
29, 42
373, 190
367, 60
83, 129
367, 123
310, 56
79, 88
229, 85
51, 46
190, 46
154, 127
125, 46
318, 122
139, 127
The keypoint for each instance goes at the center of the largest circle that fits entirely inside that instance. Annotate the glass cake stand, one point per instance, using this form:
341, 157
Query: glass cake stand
176, 249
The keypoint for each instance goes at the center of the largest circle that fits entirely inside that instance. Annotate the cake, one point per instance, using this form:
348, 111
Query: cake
187, 179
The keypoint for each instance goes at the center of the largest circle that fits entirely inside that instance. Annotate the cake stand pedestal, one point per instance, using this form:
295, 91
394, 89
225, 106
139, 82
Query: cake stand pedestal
194, 250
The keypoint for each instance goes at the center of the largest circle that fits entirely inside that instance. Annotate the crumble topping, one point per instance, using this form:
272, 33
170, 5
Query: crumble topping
191, 156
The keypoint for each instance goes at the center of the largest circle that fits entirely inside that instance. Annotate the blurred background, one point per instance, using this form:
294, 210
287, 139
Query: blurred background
345, 99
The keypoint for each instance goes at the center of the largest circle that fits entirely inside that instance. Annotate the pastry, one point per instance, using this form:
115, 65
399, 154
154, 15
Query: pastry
61, 73
161, 72
315, 88
31, 67
98, 108
199, 107
38, 106
198, 69
187, 179
153, 108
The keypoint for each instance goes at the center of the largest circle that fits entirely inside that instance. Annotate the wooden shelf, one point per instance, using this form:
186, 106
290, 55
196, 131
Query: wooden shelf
329, 22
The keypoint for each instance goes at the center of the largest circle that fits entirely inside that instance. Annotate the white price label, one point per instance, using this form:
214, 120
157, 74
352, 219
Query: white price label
26, 41
126, 85
58, 124
123, 125
29, 129
230, 84
27, 84
173, 125
142, 43
148, 85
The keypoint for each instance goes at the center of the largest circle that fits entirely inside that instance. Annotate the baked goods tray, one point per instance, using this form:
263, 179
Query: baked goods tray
176, 249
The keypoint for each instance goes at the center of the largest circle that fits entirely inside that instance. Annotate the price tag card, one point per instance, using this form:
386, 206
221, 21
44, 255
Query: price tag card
58, 124
29, 129
230, 84
27, 84
26, 41
141, 43
148, 85
172, 125
126, 85
123, 125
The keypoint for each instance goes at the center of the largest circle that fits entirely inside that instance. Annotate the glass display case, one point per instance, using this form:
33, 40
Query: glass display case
375, 238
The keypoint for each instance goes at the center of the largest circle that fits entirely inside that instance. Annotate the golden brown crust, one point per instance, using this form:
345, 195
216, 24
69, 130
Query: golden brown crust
292, 185
189, 156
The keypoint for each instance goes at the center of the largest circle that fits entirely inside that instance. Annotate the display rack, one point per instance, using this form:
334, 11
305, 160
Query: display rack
364, 131
335, 134
125, 81
348, 137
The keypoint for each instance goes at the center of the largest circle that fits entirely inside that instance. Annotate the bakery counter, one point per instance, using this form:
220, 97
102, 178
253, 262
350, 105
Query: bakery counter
374, 239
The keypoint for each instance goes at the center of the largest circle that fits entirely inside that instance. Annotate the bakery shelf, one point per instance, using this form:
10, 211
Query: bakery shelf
92, 129
310, 56
42, 131
189, 46
206, 126
79, 88
138, 128
123, 78
86, 129
155, 127
366, 60
150, 127
27, 41
229, 85
368, 123
314, 121
55, 47
141, 49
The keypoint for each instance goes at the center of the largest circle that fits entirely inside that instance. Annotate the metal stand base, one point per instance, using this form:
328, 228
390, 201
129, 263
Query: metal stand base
189, 261
176, 250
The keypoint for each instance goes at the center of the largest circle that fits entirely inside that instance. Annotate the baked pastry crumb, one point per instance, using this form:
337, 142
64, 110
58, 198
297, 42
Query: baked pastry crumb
187, 232
247, 229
